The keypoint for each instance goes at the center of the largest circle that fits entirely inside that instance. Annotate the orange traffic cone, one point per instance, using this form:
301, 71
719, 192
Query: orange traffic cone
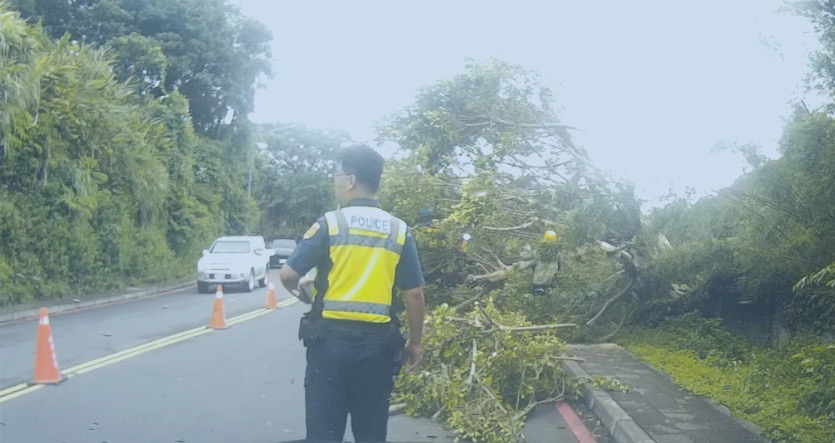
218, 316
271, 303
46, 362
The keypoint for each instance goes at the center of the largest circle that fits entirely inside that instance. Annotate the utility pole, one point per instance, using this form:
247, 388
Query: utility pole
261, 147
249, 181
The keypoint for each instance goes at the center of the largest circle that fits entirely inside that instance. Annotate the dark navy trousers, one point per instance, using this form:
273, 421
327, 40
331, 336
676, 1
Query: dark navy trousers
348, 375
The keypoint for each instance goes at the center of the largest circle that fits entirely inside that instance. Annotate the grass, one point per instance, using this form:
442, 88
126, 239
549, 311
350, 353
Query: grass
789, 392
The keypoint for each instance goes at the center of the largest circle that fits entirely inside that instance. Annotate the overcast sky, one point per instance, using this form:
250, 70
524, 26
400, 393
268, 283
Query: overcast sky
652, 85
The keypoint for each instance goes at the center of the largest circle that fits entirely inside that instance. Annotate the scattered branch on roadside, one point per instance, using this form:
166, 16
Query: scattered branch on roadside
467, 302
609, 302
512, 228
559, 357
472, 365
501, 274
524, 412
501, 263
623, 319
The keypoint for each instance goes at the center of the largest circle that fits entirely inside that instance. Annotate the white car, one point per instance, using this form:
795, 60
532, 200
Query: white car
284, 248
234, 261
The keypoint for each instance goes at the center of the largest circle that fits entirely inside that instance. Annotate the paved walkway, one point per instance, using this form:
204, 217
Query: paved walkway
656, 410
544, 425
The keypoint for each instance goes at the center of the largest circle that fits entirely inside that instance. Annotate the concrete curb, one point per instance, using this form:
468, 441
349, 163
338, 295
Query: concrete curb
30, 313
744, 423
619, 424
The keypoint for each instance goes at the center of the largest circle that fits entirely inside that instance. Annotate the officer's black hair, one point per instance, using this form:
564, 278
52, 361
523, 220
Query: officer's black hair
364, 163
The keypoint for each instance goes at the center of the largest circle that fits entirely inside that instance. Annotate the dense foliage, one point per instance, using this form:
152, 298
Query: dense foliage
205, 49
483, 371
294, 182
101, 186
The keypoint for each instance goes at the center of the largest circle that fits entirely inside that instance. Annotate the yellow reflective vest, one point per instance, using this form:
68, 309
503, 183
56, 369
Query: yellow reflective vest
365, 247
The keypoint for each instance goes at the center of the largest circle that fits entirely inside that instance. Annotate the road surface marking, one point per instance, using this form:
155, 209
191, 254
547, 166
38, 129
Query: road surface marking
575, 423
288, 302
13, 389
21, 392
76, 368
249, 316
25, 388
136, 352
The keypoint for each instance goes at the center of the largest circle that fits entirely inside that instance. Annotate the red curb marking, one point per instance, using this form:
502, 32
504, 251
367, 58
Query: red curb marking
575, 423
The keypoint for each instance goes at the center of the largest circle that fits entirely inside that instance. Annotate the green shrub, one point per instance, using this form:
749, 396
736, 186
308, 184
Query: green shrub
788, 391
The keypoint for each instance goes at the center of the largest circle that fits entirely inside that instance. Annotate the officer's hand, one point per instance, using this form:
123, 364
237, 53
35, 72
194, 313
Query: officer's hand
414, 355
305, 281
302, 295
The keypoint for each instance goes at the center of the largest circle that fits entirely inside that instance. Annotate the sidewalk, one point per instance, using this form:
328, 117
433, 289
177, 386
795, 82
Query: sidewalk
656, 410
71, 303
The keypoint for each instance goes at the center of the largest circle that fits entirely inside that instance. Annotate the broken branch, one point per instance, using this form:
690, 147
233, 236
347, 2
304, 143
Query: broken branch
609, 302
533, 405
512, 228
626, 315
491, 393
467, 302
577, 359
462, 320
501, 263
538, 327
501, 274
472, 366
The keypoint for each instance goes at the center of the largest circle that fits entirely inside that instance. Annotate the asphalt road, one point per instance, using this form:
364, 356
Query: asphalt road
242, 384
85, 335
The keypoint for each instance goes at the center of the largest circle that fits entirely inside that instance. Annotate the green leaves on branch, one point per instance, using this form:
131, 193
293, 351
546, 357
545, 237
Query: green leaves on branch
483, 371
825, 276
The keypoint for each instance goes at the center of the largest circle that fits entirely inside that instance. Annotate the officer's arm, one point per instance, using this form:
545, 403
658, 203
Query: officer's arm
409, 278
289, 278
309, 253
416, 311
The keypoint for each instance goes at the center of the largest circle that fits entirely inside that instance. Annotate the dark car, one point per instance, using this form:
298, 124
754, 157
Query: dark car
284, 247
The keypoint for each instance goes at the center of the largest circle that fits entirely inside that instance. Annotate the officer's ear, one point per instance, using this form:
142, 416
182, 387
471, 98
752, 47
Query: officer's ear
352, 182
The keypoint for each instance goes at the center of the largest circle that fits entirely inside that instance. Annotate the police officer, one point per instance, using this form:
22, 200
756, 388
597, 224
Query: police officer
361, 254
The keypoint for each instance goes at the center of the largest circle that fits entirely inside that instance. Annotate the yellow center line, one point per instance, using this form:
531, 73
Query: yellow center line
19, 393
288, 302
96, 361
25, 388
140, 351
13, 389
249, 317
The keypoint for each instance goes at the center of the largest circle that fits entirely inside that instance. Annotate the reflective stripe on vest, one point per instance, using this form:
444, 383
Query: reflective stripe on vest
365, 247
387, 243
354, 306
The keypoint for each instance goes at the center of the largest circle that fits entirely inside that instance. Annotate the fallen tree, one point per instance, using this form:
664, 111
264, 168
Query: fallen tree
489, 170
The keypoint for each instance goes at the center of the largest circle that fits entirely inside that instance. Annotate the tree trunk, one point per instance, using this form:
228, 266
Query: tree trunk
501, 274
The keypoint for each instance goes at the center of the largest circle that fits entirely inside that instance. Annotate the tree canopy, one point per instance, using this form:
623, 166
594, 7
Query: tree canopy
205, 49
296, 185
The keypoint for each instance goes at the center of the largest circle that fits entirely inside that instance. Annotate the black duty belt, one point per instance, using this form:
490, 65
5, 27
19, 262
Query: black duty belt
355, 329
